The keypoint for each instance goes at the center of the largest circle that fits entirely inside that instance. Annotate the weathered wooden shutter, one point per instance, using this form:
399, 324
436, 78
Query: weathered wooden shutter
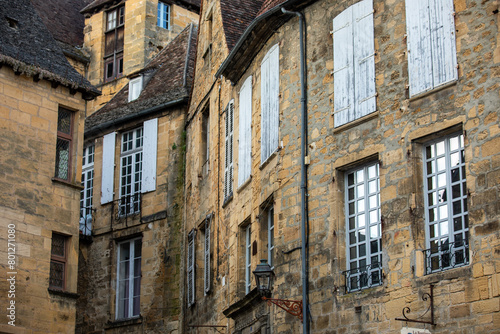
149, 149
207, 255
270, 103
228, 170
191, 269
245, 135
108, 167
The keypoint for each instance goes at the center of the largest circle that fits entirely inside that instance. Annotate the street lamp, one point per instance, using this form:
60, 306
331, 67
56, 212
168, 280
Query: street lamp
264, 277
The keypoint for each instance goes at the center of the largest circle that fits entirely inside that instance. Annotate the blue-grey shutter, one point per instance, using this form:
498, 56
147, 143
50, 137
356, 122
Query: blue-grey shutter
207, 255
245, 135
191, 269
150, 142
228, 166
108, 167
270, 103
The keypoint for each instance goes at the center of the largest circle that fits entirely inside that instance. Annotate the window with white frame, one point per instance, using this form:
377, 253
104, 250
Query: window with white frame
228, 165
362, 212
191, 276
131, 171
163, 19
248, 259
245, 135
432, 59
128, 279
270, 90
134, 88
446, 215
354, 63
207, 277
86, 195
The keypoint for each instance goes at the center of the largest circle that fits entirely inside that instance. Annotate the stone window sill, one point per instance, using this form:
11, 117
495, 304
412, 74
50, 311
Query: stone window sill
67, 183
123, 322
63, 293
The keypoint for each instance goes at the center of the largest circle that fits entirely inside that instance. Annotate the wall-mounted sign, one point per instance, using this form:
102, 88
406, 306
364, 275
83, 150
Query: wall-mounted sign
408, 330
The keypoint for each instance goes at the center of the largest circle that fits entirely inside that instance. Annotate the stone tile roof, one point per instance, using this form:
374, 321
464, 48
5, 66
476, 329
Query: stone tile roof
168, 78
97, 5
237, 16
29, 48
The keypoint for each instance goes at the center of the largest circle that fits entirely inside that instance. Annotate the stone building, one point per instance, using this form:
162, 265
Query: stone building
129, 270
401, 155
42, 112
121, 37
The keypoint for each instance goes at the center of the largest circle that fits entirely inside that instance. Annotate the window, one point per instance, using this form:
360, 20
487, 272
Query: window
128, 279
207, 256
446, 215
267, 231
86, 195
64, 144
228, 165
245, 135
432, 59
113, 51
354, 63
163, 20
248, 259
134, 88
362, 212
205, 140
191, 269
58, 259
131, 171
270, 87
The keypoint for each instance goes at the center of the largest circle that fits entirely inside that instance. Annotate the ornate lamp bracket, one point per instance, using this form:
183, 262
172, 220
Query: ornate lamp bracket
425, 297
294, 307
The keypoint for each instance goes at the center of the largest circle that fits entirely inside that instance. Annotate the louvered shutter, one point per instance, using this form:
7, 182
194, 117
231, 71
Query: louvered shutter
228, 166
190, 267
245, 135
270, 103
207, 256
108, 167
149, 155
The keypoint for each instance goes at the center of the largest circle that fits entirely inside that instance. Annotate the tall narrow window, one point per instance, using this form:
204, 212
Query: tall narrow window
163, 19
248, 259
86, 195
228, 166
362, 211
432, 59
245, 135
191, 269
131, 171
128, 278
270, 236
446, 215
113, 51
207, 256
58, 259
205, 140
354, 63
270, 90
64, 144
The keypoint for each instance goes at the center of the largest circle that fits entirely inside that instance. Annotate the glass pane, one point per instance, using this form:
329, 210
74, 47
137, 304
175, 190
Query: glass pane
361, 205
431, 197
429, 152
430, 167
62, 159
457, 223
457, 207
433, 230
361, 221
432, 214
442, 180
455, 159
373, 216
372, 171
456, 191
352, 238
431, 183
351, 209
374, 231
351, 194
352, 223
373, 201
441, 164
443, 228
373, 247
360, 190
454, 143
350, 179
455, 174
353, 253
362, 250
362, 235
372, 187
440, 148
360, 175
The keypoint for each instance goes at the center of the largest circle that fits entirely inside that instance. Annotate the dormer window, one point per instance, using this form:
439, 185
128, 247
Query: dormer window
134, 88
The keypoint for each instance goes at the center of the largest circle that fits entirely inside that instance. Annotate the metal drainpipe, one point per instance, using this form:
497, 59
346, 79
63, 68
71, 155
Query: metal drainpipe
303, 185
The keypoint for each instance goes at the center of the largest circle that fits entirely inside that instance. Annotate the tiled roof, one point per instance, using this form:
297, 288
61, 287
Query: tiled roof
237, 16
171, 77
98, 4
28, 47
268, 4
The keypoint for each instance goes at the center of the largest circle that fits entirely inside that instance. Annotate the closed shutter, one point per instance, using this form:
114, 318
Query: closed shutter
270, 103
149, 155
108, 167
190, 268
245, 135
207, 255
228, 170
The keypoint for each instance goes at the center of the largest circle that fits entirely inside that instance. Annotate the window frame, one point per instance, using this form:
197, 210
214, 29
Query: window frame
248, 258
191, 269
115, 58
129, 304
58, 259
245, 132
206, 256
66, 137
135, 88
86, 194
135, 153
163, 8
229, 155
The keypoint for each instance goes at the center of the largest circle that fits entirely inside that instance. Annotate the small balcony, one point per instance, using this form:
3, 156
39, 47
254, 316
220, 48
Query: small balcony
363, 277
86, 219
446, 255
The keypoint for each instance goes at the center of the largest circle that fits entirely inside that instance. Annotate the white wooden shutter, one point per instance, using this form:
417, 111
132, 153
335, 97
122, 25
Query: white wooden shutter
245, 135
270, 103
364, 59
191, 268
108, 167
150, 143
207, 255
228, 170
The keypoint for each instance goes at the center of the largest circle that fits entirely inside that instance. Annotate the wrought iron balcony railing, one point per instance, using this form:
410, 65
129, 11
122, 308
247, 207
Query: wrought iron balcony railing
86, 218
363, 277
446, 255
128, 205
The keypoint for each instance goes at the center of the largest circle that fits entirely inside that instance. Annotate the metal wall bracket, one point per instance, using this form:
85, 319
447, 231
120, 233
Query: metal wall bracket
294, 307
425, 297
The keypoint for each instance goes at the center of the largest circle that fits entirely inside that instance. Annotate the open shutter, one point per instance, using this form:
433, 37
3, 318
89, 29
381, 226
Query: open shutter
343, 55
190, 265
207, 255
364, 59
443, 47
108, 167
245, 135
419, 46
149, 155
228, 166
270, 103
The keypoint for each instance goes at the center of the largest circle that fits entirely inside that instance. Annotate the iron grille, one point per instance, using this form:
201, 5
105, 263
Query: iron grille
446, 255
364, 277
